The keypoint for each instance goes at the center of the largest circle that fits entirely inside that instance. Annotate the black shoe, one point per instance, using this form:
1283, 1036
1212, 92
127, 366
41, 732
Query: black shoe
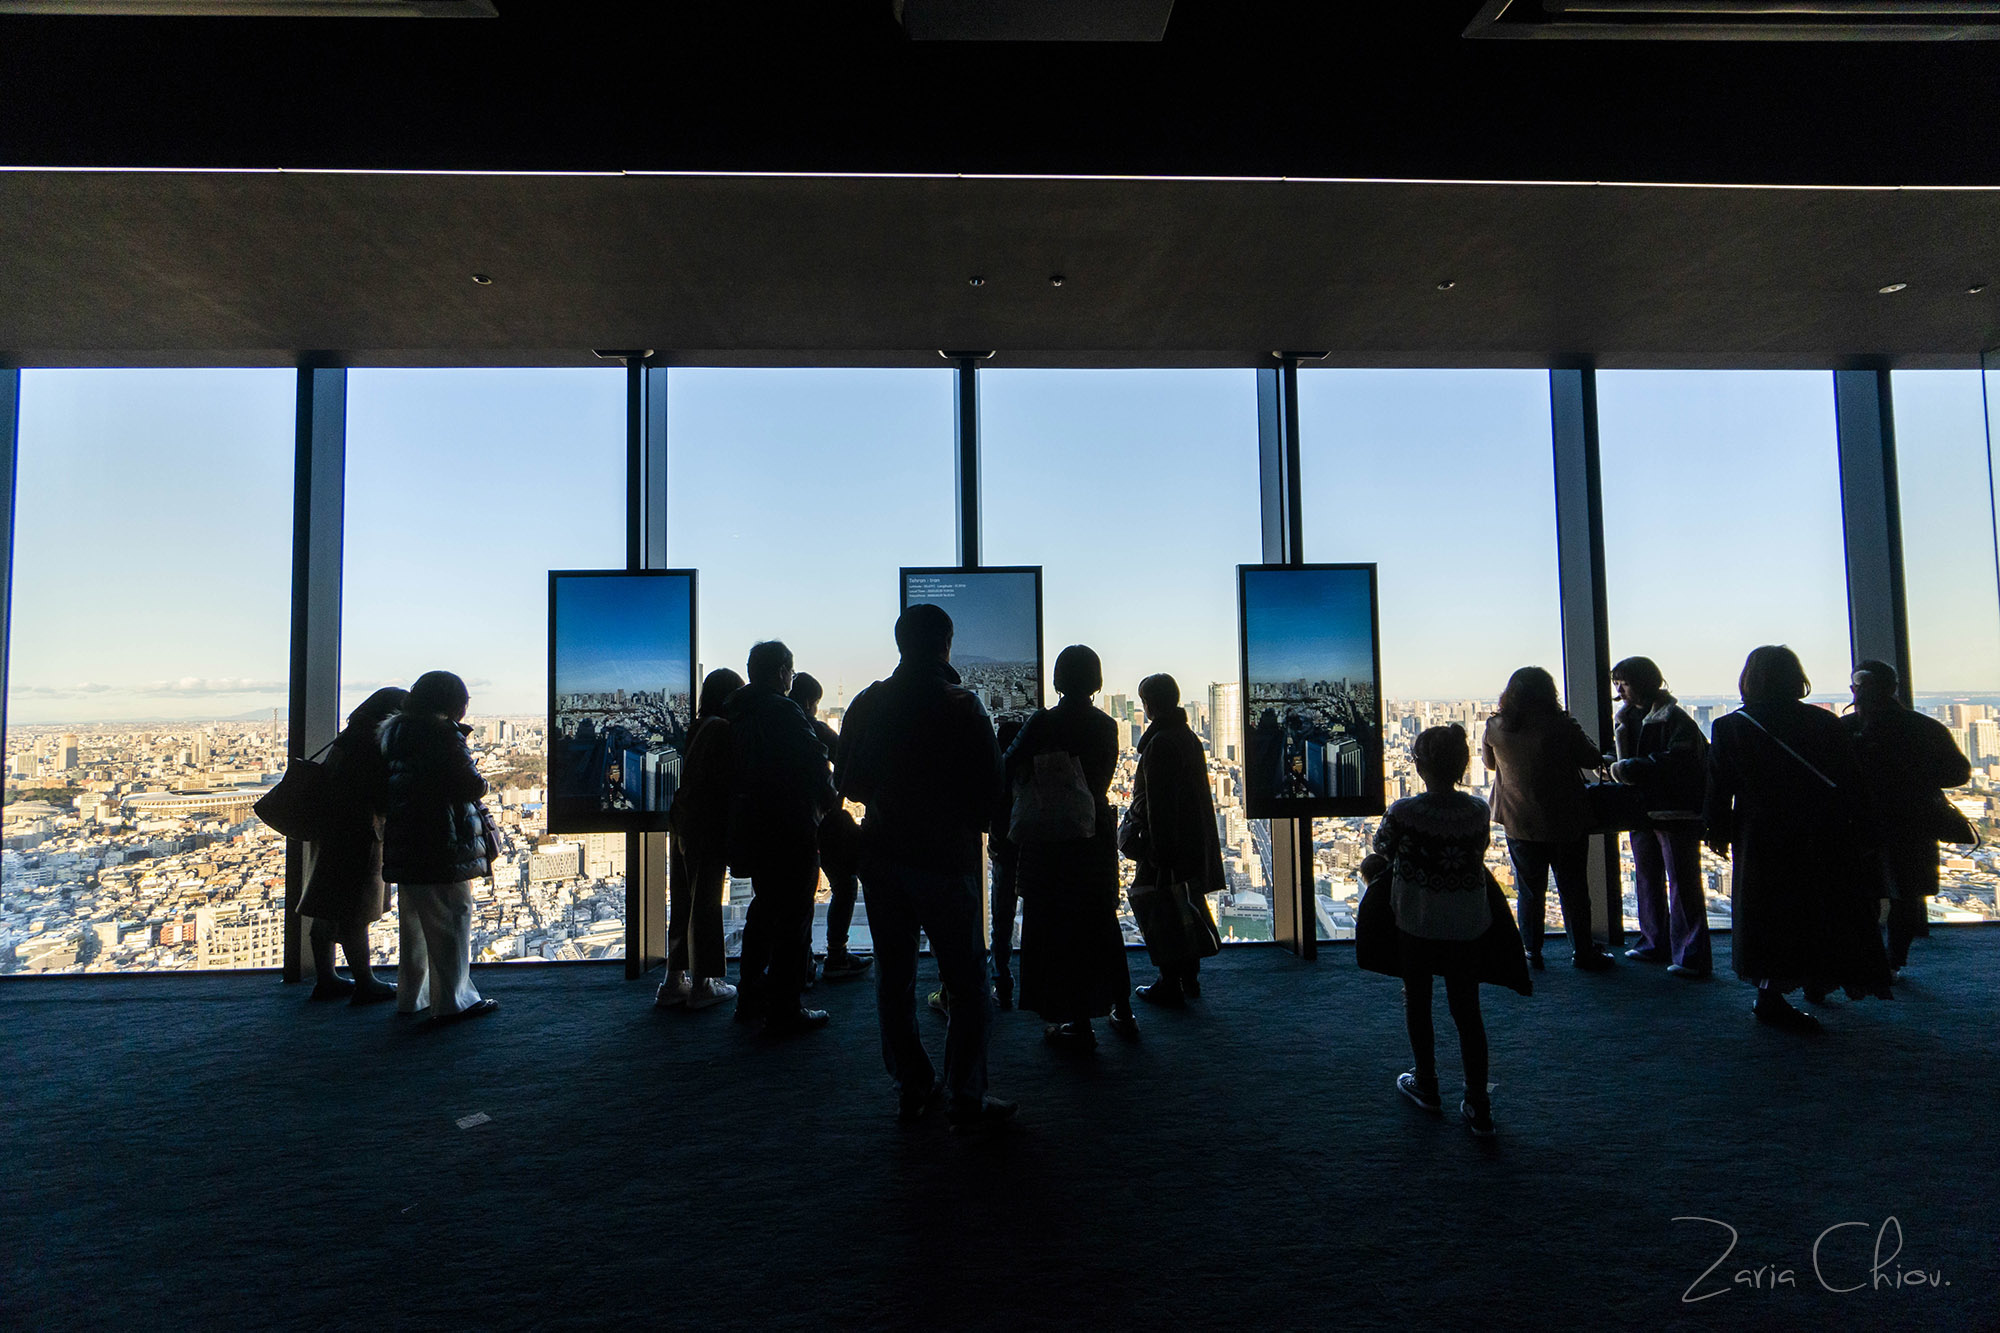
916, 1103
991, 1111
1595, 961
376, 994
1782, 1014
1191, 987
1163, 993
1535, 961
1123, 1023
802, 1020
1478, 1119
1070, 1036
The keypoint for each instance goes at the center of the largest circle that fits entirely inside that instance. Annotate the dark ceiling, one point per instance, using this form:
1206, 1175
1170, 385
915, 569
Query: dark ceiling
186, 268
234, 264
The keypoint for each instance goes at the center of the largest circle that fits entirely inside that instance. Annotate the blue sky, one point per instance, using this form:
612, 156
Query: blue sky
152, 575
1308, 625
623, 634
992, 615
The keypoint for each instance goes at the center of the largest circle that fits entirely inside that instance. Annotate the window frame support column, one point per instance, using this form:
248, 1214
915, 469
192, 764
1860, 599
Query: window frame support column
319, 493
1586, 630
10, 453
1294, 921
965, 431
646, 860
1871, 521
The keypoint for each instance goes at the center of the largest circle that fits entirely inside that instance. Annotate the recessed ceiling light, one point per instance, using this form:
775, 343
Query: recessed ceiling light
1446, 285
1975, 289
482, 279
1056, 280
1892, 288
976, 281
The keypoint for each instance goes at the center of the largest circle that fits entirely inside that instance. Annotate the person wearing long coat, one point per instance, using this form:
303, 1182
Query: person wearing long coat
1169, 830
1538, 755
345, 892
1786, 802
1072, 958
699, 872
1907, 760
434, 846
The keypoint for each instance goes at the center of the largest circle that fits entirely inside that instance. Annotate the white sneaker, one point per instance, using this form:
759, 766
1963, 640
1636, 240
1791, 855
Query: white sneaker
710, 990
673, 992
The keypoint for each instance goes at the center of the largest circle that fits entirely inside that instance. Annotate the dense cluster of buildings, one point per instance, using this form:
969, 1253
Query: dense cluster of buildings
133, 848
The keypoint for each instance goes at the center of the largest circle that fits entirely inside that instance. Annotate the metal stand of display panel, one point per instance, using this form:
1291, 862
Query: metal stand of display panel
1294, 923
646, 860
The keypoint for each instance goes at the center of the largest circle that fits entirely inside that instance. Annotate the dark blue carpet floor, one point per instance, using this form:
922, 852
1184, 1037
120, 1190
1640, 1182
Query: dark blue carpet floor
215, 1153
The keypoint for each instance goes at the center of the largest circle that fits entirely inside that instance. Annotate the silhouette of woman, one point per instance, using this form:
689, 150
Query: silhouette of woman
1072, 949
344, 889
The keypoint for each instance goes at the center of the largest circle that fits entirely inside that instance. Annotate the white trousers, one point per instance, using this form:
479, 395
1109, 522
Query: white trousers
434, 967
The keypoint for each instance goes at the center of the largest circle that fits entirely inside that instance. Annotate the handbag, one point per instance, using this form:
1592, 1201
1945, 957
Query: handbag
489, 834
1131, 834
1176, 929
1377, 945
300, 804
1052, 803
1945, 822
1615, 807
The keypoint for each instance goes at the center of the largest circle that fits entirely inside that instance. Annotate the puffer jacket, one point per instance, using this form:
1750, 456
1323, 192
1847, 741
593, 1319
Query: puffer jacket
432, 831
1662, 752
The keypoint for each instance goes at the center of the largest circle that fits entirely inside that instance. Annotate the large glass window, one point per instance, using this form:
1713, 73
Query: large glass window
1722, 532
464, 488
798, 494
1954, 604
149, 652
1136, 491
1445, 479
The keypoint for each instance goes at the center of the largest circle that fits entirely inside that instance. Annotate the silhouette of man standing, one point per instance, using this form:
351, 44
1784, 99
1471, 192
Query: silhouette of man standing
918, 751
780, 787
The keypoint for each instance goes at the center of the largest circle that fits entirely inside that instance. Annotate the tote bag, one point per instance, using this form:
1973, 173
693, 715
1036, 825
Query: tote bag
1052, 802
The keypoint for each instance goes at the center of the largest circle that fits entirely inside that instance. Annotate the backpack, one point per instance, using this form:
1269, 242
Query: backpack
1052, 802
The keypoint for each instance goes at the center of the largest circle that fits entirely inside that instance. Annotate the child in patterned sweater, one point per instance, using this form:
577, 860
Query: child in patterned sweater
1433, 847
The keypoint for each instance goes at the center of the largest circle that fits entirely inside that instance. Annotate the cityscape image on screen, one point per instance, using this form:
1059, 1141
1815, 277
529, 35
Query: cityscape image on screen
996, 617
621, 697
1312, 721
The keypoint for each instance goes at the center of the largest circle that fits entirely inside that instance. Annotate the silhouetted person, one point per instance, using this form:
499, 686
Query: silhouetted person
1661, 752
345, 892
1169, 830
1073, 965
1006, 898
1786, 802
696, 954
1435, 845
838, 848
917, 750
1538, 755
780, 786
1907, 760
434, 846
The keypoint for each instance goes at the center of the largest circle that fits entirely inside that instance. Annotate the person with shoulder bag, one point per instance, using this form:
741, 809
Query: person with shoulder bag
345, 891
1787, 803
1169, 830
1907, 760
1662, 754
1538, 755
1072, 963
